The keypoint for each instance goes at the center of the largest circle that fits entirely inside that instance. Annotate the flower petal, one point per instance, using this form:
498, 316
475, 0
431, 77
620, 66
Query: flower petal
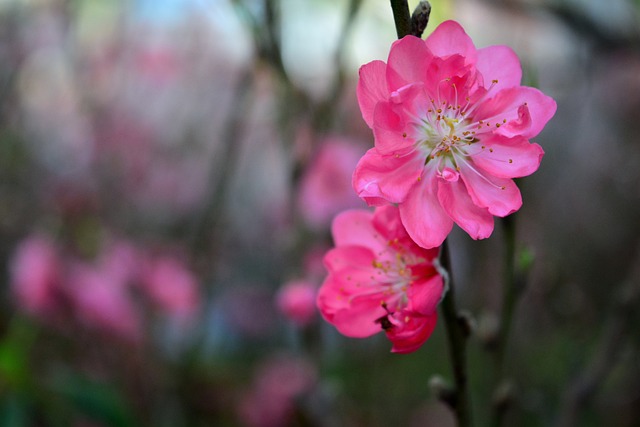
449, 38
414, 331
520, 111
386, 177
407, 63
425, 295
372, 88
389, 130
350, 264
508, 157
359, 320
500, 195
499, 63
354, 228
423, 217
352, 317
455, 200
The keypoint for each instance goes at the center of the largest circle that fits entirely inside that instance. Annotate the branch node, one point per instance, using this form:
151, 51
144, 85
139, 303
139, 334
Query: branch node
420, 18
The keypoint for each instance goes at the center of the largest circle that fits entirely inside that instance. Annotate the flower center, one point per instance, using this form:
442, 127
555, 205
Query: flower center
444, 132
395, 275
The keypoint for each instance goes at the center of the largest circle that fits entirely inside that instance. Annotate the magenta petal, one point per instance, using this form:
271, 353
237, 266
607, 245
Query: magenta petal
386, 177
387, 223
423, 217
500, 195
350, 259
499, 63
407, 63
389, 131
424, 295
354, 227
449, 38
372, 88
413, 333
352, 317
455, 200
359, 320
508, 157
521, 111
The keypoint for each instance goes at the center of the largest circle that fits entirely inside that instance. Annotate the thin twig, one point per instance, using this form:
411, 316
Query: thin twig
457, 333
512, 287
401, 17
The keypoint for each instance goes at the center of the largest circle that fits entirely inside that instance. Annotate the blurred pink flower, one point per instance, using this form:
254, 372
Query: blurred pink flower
313, 263
279, 382
171, 286
120, 260
35, 274
325, 188
380, 280
296, 300
103, 303
452, 127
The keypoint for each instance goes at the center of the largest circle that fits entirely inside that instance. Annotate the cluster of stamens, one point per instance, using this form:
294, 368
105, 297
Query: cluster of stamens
447, 132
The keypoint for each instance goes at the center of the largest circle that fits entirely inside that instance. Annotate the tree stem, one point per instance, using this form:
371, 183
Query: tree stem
457, 332
401, 17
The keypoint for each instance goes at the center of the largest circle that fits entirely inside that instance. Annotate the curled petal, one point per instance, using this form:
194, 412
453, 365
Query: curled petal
386, 177
372, 88
508, 157
455, 200
415, 330
521, 111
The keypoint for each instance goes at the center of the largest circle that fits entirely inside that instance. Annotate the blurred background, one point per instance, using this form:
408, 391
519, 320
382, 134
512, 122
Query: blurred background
168, 173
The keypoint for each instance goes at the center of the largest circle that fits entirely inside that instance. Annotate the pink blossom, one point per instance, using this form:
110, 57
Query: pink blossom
452, 126
102, 303
325, 188
120, 260
297, 301
380, 280
35, 274
271, 400
171, 286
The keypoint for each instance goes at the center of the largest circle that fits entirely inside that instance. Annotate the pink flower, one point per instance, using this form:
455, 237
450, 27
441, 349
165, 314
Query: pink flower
325, 188
36, 274
103, 303
280, 381
380, 280
297, 301
452, 127
172, 287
